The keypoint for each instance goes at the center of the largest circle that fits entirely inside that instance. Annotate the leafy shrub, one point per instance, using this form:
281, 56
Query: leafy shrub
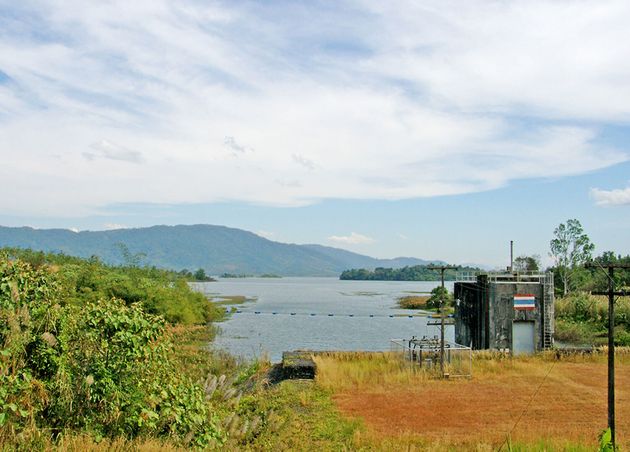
29, 317
438, 294
580, 317
574, 332
103, 366
88, 280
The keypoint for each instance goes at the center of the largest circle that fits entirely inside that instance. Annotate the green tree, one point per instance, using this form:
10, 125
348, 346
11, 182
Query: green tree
200, 275
570, 248
132, 260
438, 294
527, 263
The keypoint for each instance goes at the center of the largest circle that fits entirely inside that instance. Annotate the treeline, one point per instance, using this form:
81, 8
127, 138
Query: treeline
161, 292
408, 273
582, 318
595, 278
198, 275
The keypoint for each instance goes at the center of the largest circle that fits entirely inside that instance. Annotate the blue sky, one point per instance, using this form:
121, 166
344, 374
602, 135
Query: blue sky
432, 129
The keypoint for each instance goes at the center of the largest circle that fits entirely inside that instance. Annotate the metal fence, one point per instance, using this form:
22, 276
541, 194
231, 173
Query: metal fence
424, 353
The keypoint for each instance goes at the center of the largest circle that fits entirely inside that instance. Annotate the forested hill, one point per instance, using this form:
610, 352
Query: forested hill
408, 273
216, 249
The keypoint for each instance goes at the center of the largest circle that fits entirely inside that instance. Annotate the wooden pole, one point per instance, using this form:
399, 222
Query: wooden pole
611, 353
611, 339
442, 325
442, 269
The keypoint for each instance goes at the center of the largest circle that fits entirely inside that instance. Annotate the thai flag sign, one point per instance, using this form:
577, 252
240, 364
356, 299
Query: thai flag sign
524, 302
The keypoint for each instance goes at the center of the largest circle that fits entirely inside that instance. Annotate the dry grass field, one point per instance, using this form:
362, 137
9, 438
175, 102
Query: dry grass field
401, 405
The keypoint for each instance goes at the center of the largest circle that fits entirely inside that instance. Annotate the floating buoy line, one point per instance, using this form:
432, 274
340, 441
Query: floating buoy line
319, 314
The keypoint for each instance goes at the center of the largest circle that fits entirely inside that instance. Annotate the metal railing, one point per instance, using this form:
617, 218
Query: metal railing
424, 353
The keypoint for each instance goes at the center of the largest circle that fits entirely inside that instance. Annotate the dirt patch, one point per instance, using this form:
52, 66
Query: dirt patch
570, 405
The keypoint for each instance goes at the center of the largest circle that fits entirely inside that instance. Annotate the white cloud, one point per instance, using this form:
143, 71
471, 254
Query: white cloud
352, 239
617, 197
446, 99
107, 150
265, 234
114, 226
235, 147
303, 161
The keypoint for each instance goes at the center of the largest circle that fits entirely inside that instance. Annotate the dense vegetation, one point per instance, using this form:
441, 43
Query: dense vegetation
580, 317
81, 281
408, 273
583, 279
583, 319
84, 347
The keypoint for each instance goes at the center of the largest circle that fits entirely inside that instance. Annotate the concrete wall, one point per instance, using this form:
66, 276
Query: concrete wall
485, 313
502, 312
470, 315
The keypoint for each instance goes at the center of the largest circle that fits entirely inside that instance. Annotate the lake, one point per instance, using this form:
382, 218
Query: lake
317, 314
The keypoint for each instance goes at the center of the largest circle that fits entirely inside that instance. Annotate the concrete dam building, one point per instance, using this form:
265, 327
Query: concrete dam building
505, 311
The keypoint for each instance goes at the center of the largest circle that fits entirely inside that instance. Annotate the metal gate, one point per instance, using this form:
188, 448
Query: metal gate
523, 338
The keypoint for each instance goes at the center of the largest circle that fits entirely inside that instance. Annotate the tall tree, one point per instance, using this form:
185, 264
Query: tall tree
570, 248
200, 275
527, 263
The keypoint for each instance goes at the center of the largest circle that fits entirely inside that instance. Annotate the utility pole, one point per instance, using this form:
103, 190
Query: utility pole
511, 256
442, 323
611, 342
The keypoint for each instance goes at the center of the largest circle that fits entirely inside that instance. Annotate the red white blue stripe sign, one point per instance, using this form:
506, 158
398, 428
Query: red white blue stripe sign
524, 302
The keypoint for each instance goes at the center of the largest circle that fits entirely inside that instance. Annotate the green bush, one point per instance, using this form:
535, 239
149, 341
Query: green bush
574, 332
88, 280
438, 294
103, 366
583, 318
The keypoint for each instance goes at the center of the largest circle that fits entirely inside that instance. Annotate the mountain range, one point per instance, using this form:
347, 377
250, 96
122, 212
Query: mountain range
216, 249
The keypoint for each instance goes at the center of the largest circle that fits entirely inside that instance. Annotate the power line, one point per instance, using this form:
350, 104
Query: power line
611, 339
442, 269
531, 399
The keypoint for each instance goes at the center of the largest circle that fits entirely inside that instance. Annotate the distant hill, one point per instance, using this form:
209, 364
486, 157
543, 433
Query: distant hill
216, 249
353, 260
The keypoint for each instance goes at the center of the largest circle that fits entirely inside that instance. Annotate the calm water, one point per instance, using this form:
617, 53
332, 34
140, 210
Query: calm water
249, 334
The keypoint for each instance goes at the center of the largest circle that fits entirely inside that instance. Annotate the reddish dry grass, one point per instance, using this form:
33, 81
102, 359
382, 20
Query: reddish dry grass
570, 406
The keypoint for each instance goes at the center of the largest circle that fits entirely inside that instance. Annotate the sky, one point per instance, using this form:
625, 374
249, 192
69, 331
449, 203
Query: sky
435, 129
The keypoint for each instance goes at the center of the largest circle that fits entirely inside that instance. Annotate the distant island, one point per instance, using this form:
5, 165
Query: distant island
408, 273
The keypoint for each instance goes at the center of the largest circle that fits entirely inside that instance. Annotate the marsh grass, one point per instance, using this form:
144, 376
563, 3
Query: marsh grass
229, 300
345, 370
414, 301
194, 357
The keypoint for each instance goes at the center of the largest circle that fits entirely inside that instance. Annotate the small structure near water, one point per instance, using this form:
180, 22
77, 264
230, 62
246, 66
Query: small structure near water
505, 311
298, 365
425, 353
